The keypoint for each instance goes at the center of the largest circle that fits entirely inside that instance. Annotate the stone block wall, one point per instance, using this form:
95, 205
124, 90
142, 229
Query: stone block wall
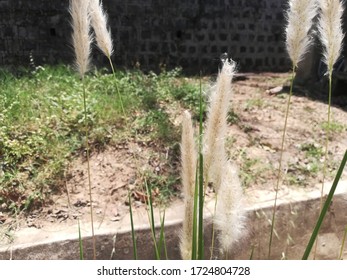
151, 34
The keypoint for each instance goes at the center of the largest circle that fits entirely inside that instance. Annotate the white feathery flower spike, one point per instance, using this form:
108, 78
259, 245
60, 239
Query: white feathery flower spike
299, 21
99, 24
216, 123
230, 214
188, 156
81, 34
330, 31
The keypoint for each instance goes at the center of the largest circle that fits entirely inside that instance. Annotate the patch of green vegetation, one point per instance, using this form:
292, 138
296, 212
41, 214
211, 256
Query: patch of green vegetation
189, 94
233, 118
251, 170
163, 187
254, 103
310, 167
312, 150
42, 122
334, 127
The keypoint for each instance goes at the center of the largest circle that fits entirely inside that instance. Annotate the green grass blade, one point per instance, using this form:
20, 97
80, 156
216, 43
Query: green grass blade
201, 210
132, 229
151, 220
195, 218
252, 253
201, 184
80, 241
325, 208
162, 236
326, 151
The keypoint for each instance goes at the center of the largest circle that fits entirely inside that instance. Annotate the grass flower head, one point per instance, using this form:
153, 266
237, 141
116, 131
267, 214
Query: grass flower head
81, 38
299, 21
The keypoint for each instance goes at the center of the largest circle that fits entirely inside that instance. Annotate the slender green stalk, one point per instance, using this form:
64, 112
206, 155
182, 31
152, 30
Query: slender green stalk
162, 236
201, 210
150, 213
279, 173
132, 229
201, 184
325, 208
213, 229
88, 165
117, 88
80, 241
343, 244
326, 151
252, 253
195, 218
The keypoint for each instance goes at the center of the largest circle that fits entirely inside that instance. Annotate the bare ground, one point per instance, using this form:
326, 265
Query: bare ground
254, 142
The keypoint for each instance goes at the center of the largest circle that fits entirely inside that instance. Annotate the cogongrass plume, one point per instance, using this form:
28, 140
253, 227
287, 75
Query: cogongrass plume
331, 36
99, 24
216, 124
330, 31
81, 37
188, 173
299, 17
229, 218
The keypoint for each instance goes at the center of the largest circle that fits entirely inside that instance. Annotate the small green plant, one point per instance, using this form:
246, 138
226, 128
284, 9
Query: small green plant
312, 150
333, 127
251, 103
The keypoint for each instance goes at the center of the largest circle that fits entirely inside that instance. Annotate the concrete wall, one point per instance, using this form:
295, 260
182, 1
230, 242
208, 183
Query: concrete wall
188, 33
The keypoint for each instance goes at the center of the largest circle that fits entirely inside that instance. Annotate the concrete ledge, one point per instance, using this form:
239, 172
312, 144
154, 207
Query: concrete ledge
296, 217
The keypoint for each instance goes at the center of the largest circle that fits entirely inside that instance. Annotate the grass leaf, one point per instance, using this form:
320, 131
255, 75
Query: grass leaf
325, 208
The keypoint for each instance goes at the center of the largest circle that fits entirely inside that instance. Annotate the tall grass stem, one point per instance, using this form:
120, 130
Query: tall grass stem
201, 183
325, 152
117, 88
195, 216
279, 173
88, 165
150, 213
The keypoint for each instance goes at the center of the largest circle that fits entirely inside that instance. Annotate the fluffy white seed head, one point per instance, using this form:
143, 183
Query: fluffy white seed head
81, 38
230, 214
188, 156
216, 123
99, 24
330, 30
188, 159
299, 21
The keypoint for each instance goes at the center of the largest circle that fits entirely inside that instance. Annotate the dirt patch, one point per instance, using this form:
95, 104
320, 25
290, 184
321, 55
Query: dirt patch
254, 142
